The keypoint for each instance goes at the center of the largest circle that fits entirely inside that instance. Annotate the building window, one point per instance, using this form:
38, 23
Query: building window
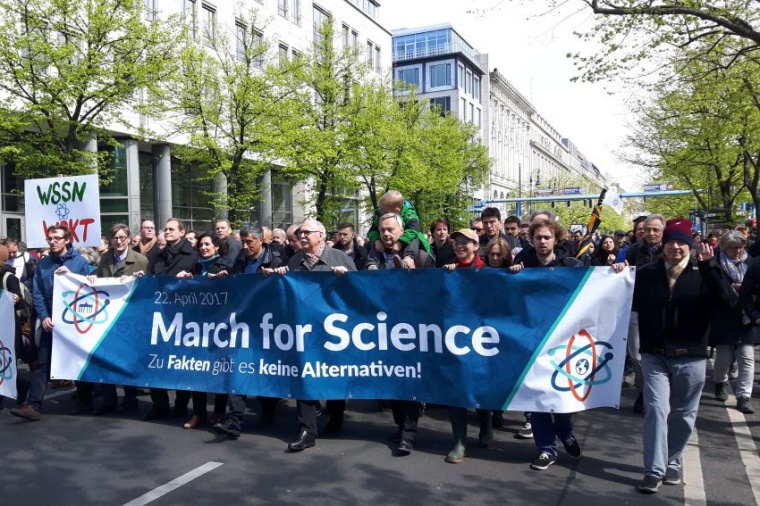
282, 8
471, 115
344, 35
295, 15
468, 82
370, 53
150, 10
476, 88
440, 75
189, 14
282, 54
460, 76
355, 39
241, 36
378, 64
441, 104
258, 49
463, 112
320, 18
410, 76
208, 22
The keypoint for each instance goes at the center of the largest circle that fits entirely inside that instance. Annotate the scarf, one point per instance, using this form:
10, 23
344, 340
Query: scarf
476, 263
311, 259
735, 269
146, 246
206, 263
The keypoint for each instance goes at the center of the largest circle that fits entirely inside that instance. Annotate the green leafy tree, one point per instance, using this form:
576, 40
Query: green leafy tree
232, 98
68, 72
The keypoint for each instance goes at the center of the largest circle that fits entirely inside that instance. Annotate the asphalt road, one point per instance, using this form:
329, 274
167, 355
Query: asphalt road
119, 460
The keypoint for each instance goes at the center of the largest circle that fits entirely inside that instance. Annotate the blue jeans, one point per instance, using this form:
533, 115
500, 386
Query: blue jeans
41, 374
672, 388
547, 427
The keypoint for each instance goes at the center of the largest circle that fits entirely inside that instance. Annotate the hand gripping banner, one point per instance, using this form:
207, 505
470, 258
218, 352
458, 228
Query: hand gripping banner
540, 340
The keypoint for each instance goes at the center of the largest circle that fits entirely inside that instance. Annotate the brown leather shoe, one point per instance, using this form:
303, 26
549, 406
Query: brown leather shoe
26, 411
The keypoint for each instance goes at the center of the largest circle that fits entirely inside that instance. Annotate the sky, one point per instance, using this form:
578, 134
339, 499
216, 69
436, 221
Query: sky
529, 49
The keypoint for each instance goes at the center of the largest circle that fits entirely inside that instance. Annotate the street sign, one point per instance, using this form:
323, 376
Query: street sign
572, 190
543, 192
658, 187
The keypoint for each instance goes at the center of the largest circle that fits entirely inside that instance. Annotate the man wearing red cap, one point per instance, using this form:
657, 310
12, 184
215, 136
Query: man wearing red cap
674, 297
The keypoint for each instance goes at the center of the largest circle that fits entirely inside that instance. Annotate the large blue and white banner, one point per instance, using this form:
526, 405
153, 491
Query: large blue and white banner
7, 346
540, 339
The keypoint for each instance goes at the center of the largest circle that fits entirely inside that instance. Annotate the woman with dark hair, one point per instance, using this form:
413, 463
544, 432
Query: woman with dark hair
606, 253
498, 253
212, 260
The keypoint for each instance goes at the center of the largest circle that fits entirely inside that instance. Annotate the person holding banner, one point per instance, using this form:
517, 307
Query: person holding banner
177, 256
466, 246
315, 256
391, 228
255, 257
675, 298
63, 257
120, 260
547, 427
212, 261
12, 285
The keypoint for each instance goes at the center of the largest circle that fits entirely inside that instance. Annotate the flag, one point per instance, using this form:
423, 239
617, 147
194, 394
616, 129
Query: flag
615, 202
593, 224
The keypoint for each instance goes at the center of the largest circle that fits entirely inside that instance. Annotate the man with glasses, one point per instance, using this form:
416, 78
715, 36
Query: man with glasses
119, 260
61, 259
316, 256
148, 245
491, 219
477, 226
644, 252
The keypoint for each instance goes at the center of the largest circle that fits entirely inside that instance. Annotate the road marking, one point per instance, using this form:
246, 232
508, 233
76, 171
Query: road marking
173, 485
747, 447
694, 482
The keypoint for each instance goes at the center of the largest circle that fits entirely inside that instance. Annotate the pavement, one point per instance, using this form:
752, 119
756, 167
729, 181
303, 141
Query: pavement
121, 460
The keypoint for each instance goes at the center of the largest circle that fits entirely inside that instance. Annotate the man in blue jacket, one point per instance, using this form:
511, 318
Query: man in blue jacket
62, 258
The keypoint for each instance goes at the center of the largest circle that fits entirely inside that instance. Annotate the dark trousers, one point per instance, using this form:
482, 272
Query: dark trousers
41, 373
237, 407
405, 415
160, 399
307, 413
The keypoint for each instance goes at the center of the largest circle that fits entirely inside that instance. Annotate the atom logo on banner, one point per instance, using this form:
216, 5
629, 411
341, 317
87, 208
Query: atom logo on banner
6, 360
583, 365
87, 307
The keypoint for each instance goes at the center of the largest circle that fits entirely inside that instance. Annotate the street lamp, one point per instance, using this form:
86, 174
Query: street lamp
537, 173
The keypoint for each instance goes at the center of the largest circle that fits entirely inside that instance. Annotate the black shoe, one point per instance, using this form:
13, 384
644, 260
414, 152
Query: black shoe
305, 440
650, 485
497, 419
404, 448
155, 413
231, 430
572, 447
638, 404
177, 412
81, 408
334, 424
743, 405
265, 420
128, 406
720, 392
102, 410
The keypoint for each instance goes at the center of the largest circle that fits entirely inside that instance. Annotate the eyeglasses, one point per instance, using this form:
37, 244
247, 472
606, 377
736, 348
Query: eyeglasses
55, 239
308, 232
120, 238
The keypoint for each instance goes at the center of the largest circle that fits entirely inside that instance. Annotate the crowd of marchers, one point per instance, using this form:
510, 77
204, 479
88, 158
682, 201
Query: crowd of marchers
692, 298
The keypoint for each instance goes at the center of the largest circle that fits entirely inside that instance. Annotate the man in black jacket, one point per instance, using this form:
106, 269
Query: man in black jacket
177, 256
674, 298
348, 244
